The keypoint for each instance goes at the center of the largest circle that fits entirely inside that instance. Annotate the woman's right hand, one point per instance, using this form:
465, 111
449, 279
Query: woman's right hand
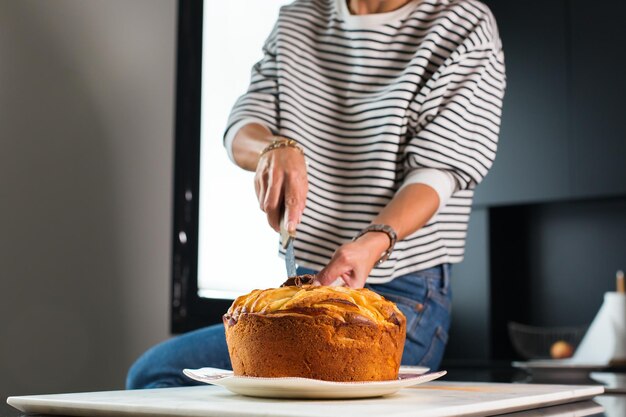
281, 186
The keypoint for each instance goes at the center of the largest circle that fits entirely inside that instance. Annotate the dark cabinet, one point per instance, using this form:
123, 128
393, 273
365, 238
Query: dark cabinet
598, 98
469, 330
531, 162
563, 132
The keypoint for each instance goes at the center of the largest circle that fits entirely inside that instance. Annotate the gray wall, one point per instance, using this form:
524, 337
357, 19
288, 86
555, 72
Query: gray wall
86, 121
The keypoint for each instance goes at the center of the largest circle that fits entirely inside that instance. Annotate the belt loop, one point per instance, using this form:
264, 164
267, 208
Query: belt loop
445, 277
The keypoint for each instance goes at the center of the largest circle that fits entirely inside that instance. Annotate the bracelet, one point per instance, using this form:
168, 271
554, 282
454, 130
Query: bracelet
282, 143
393, 237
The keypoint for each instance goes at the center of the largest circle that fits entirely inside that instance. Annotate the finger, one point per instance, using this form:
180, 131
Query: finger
260, 184
293, 209
339, 282
335, 269
258, 188
351, 281
274, 212
296, 188
354, 280
273, 190
273, 219
273, 204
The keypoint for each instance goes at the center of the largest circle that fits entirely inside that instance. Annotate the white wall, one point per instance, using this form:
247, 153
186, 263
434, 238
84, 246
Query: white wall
86, 122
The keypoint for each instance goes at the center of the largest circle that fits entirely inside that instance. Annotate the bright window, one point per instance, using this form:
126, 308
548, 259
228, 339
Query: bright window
237, 250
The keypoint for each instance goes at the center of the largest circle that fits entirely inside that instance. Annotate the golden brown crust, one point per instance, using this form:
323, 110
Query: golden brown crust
329, 333
342, 303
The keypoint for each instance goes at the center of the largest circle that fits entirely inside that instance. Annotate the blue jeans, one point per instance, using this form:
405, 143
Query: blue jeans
424, 298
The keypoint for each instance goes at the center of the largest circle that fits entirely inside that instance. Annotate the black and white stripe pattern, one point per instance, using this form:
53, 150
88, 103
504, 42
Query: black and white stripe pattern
372, 99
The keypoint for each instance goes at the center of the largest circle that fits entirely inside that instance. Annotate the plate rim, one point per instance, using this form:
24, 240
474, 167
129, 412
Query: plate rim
194, 374
308, 388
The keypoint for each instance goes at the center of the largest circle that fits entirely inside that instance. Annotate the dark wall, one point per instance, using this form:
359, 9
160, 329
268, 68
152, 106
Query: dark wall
549, 225
574, 252
550, 264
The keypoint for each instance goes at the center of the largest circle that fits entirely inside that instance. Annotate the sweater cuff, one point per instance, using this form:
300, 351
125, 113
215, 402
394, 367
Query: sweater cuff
441, 181
230, 134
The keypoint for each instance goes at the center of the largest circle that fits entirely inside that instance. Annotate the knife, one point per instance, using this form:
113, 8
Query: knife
287, 241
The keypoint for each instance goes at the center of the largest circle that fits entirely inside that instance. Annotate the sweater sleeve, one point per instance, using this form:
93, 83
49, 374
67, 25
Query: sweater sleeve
457, 122
259, 104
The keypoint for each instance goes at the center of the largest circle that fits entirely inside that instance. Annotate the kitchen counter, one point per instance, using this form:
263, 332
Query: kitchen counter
436, 399
613, 401
603, 406
608, 405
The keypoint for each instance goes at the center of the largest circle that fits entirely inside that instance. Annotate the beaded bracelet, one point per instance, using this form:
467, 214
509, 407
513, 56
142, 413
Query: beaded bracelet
282, 143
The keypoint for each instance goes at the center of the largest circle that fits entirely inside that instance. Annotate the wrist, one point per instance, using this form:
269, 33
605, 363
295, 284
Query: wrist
376, 241
246, 143
380, 239
273, 143
280, 142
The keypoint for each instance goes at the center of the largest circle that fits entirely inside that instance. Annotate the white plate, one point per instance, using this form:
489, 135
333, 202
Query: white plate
310, 388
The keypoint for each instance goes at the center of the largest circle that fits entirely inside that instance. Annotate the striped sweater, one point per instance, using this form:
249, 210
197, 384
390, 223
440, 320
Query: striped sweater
378, 102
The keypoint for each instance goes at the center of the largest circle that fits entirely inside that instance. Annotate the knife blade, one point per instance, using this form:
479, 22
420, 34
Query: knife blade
287, 241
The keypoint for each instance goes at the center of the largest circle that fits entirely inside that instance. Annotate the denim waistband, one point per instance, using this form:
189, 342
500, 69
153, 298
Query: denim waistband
413, 285
439, 272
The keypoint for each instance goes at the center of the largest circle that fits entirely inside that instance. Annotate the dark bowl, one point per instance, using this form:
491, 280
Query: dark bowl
533, 342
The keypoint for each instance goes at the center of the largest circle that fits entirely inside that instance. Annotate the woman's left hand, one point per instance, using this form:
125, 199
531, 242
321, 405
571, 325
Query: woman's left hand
354, 261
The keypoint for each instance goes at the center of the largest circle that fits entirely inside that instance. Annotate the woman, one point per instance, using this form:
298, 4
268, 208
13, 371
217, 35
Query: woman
368, 124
